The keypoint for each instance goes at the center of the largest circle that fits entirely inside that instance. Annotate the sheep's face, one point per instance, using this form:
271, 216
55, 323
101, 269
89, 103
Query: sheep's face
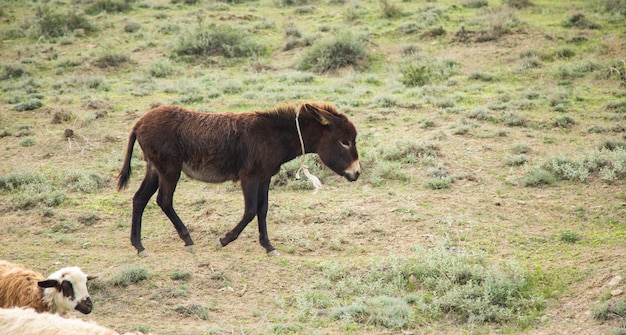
66, 290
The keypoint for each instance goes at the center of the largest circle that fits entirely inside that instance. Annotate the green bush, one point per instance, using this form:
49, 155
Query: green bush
475, 3
564, 121
515, 160
223, 40
416, 74
580, 21
389, 10
611, 309
12, 71
424, 71
439, 282
438, 183
111, 59
570, 236
85, 182
52, 24
607, 164
109, 6
409, 151
518, 4
346, 49
29, 105
538, 177
161, 69
129, 276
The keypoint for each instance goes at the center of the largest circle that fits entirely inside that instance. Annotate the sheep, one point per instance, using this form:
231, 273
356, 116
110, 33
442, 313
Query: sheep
63, 291
21, 321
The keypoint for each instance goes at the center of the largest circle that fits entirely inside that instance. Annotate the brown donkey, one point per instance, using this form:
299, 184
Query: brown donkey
249, 147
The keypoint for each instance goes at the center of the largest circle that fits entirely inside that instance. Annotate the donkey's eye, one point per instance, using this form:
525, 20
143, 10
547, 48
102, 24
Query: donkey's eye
345, 144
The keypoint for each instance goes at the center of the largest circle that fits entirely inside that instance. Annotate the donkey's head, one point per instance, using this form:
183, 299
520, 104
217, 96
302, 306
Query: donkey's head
337, 143
66, 289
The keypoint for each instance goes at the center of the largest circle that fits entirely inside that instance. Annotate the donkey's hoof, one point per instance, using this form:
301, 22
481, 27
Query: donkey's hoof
143, 253
191, 249
273, 253
218, 244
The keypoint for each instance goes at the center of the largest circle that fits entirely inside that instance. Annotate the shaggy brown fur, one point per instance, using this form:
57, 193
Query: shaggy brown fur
17, 278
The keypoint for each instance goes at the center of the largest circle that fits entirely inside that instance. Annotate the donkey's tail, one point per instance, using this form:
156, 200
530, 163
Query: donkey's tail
125, 172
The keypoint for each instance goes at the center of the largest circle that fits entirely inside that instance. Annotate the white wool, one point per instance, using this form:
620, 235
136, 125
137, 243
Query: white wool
20, 321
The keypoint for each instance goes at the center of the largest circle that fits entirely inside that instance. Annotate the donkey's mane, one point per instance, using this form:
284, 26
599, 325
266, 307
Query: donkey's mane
289, 110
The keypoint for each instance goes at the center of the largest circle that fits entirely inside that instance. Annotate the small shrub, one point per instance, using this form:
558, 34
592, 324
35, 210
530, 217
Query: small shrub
564, 121
570, 236
616, 106
538, 177
18, 181
423, 72
346, 49
111, 59
223, 40
612, 145
438, 183
31, 104
580, 21
521, 148
611, 309
129, 276
85, 182
515, 160
479, 113
415, 74
161, 69
193, 310
12, 72
595, 129
181, 275
518, 4
132, 27
513, 119
388, 312
482, 76
564, 53
389, 10
475, 3
52, 24
409, 151
27, 142
109, 6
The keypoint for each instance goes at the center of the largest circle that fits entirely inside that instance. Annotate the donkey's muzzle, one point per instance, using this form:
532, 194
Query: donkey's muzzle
84, 306
353, 172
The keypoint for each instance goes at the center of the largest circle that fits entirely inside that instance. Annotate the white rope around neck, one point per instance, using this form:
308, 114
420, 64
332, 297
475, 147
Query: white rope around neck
313, 179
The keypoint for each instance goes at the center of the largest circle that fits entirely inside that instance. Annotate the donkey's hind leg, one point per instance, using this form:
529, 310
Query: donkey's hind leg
148, 187
167, 186
250, 196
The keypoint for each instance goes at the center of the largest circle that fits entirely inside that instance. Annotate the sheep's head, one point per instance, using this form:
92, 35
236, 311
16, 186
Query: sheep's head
66, 289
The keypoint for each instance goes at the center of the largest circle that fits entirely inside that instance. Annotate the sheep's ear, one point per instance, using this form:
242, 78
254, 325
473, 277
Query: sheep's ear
48, 283
91, 277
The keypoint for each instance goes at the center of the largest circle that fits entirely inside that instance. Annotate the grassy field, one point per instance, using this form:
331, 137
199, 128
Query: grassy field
492, 137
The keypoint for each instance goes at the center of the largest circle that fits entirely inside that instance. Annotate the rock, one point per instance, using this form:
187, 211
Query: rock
614, 281
615, 293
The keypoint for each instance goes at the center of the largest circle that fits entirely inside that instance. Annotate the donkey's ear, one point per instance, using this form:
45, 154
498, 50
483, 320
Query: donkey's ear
319, 114
48, 283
